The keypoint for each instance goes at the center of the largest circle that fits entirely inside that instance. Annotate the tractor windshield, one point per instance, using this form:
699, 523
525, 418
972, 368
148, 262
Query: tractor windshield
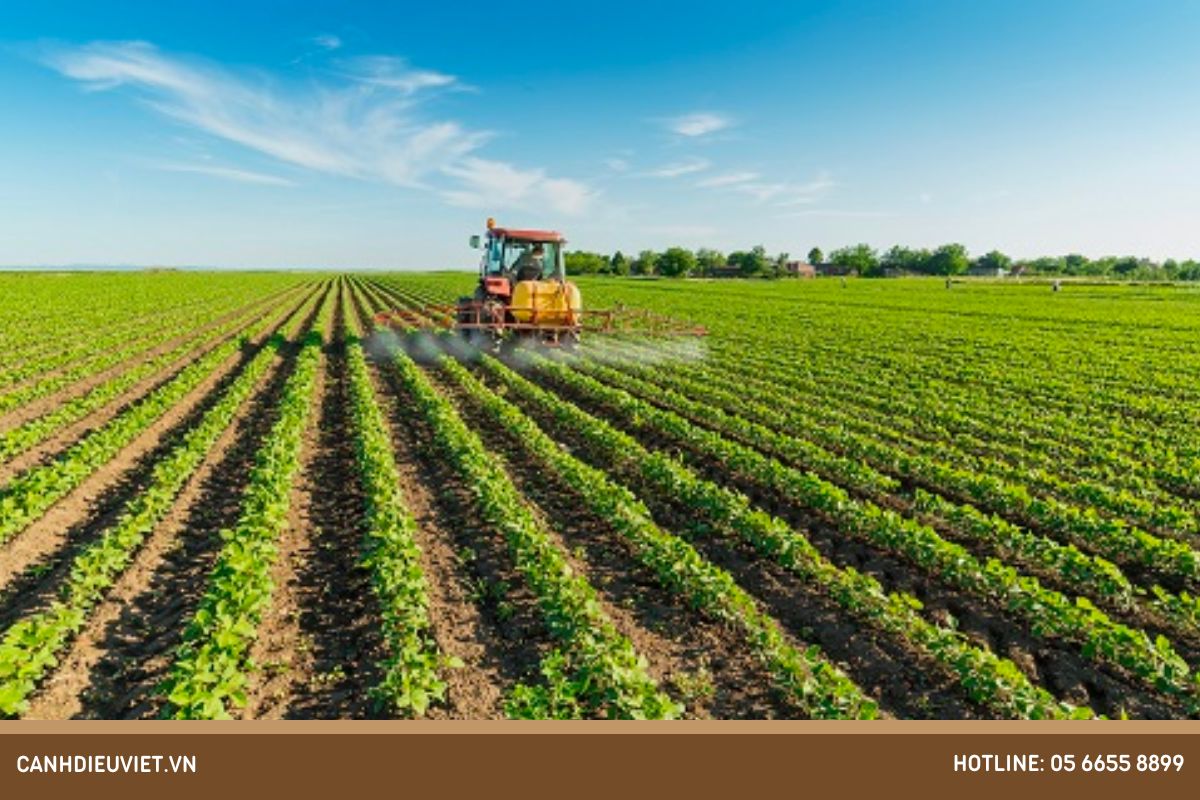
525, 260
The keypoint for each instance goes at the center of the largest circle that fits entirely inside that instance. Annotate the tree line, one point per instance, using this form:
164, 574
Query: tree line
948, 260
677, 262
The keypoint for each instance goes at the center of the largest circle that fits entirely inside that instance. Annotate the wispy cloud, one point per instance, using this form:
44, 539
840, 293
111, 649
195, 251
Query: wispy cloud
389, 72
776, 193
327, 41
803, 193
369, 124
227, 173
727, 179
677, 168
699, 123
617, 164
496, 184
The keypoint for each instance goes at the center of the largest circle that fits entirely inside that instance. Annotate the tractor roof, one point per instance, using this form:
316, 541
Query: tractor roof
528, 235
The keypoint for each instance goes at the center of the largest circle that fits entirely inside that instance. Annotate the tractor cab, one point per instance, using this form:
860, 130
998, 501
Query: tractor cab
512, 256
522, 289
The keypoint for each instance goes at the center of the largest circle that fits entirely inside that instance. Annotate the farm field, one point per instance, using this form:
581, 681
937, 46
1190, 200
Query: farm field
231, 494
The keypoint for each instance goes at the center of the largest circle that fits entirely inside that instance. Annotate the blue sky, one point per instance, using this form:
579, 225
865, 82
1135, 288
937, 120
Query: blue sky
369, 135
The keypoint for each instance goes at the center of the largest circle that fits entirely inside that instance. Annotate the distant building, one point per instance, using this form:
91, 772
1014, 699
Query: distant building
981, 271
801, 269
828, 268
727, 271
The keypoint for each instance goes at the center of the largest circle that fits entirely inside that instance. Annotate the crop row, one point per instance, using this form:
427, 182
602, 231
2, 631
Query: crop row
1047, 612
818, 686
210, 671
31, 493
411, 673
1125, 494
111, 352
598, 671
759, 425
18, 439
711, 508
122, 336
909, 392
29, 648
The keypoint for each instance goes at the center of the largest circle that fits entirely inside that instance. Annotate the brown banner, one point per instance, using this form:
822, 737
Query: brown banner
598, 759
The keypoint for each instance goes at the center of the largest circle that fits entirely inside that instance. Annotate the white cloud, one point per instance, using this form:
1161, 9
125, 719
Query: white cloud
677, 168
700, 123
327, 41
727, 179
496, 184
617, 164
228, 173
368, 126
388, 72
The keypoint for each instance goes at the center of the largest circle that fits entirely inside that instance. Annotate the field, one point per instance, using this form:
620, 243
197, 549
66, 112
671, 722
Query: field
230, 495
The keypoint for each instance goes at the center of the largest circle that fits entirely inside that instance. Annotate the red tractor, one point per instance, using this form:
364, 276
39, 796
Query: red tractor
523, 295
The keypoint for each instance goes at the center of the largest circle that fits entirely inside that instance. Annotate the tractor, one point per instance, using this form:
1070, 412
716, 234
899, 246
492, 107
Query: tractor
523, 297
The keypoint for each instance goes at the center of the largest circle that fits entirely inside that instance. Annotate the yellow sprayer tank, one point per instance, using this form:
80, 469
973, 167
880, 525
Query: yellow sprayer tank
546, 303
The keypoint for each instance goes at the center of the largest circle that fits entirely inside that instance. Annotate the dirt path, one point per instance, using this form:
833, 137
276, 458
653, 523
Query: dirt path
319, 645
281, 651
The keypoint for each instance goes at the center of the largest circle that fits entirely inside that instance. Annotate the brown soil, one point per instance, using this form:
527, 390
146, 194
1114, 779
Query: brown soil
319, 646
282, 653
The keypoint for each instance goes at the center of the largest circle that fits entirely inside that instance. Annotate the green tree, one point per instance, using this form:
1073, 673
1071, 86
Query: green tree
1046, 265
905, 259
950, 259
645, 263
1125, 265
1076, 264
708, 260
779, 264
815, 256
676, 261
752, 263
993, 261
580, 262
861, 258
619, 264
